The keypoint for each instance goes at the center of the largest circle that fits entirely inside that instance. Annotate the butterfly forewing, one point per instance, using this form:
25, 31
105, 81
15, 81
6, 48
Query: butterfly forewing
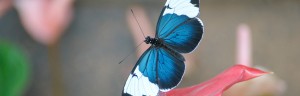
185, 37
179, 25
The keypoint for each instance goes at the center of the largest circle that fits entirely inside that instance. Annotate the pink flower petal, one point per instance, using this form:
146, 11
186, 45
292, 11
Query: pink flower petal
45, 20
244, 55
217, 85
4, 6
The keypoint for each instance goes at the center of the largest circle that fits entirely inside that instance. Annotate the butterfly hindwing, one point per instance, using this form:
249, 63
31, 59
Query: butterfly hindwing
170, 68
157, 69
179, 25
138, 82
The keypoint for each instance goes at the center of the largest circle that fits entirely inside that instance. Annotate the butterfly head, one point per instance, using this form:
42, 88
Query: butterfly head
153, 41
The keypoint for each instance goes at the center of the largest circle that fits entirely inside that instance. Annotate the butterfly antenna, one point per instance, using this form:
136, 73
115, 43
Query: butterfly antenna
137, 22
131, 52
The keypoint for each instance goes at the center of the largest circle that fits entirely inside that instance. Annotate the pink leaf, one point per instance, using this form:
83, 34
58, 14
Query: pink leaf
217, 85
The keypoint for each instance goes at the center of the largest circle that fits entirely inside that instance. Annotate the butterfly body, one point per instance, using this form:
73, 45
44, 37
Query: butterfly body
161, 66
153, 41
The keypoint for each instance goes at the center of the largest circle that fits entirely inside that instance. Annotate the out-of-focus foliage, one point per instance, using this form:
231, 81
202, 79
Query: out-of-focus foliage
14, 70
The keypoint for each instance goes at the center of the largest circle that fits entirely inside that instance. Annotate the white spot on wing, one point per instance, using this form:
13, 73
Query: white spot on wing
165, 90
181, 7
140, 85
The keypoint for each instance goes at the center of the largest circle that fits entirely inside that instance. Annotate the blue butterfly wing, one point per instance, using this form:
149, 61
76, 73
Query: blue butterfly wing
139, 81
185, 37
178, 25
157, 69
171, 67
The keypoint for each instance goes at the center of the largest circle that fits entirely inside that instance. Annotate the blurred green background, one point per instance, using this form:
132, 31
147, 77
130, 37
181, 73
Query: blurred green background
98, 37
14, 69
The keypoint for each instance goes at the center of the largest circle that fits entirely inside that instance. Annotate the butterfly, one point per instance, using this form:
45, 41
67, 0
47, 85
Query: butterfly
161, 66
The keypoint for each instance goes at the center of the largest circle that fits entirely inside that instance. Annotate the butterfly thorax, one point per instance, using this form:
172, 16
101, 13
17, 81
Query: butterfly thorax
153, 41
